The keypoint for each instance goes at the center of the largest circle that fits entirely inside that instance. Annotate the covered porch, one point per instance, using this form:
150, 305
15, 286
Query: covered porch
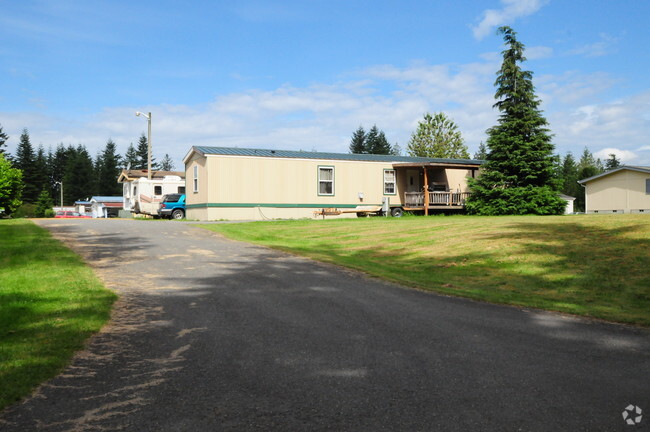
435, 185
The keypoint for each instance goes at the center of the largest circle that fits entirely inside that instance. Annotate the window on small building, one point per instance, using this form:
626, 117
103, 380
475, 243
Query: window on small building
389, 182
195, 180
181, 189
157, 190
647, 186
325, 180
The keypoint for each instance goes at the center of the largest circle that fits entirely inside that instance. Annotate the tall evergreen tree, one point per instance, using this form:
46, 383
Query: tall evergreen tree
518, 176
612, 163
376, 142
482, 152
437, 136
130, 159
25, 161
371, 138
167, 164
588, 166
3, 141
108, 171
142, 151
358, 141
78, 180
569, 177
396, 150
41, 171
44, 204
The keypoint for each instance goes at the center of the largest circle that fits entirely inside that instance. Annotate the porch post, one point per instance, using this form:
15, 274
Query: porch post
426, 192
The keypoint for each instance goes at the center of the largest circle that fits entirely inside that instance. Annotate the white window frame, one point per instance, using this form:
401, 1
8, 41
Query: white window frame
321, 168
394, 182
195, 179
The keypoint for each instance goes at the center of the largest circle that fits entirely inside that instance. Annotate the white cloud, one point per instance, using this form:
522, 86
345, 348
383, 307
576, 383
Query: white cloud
606, 45
322, 117
510, 11
538, 52
625, 156
620, 126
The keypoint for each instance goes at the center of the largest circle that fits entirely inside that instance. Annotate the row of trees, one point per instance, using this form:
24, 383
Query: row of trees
43, 173
437, 136
521, 173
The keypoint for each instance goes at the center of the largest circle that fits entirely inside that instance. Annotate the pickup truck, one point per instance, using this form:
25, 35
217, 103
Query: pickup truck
172, 206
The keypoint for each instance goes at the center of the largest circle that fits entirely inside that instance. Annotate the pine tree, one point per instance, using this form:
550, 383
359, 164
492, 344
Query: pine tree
44, 205
108, 171
142, 152
3, 142
130, 159
379, 145
587, 166
519, 174
437, 136
41, 171
78, 180
358, 141
482, 152
612, 163
25, 160
167, 164
371, 139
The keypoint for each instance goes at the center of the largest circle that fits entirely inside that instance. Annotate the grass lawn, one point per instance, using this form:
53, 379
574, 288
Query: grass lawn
50, 303
597, 266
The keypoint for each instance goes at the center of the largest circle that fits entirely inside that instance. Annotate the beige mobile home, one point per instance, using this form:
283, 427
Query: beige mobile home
625, 189
253, 184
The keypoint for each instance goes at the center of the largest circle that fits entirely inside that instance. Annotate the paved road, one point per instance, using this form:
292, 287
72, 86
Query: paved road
215, 335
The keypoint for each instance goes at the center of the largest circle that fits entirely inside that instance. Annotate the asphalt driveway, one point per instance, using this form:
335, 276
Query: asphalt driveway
215, 335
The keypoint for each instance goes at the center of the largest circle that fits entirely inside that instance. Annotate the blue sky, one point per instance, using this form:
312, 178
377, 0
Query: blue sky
305, 74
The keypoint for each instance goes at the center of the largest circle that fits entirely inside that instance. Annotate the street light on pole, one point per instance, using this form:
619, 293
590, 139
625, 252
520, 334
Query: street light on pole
60, 184
148, 117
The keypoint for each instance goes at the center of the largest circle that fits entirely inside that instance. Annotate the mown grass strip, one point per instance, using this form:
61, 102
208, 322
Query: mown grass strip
50, 303
587, 265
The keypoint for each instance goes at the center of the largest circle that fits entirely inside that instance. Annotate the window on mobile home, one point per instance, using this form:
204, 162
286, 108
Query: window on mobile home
325, 180
157, 190
196, 178
389, 182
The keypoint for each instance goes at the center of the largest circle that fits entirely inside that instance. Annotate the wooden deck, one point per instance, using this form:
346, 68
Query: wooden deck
436, 200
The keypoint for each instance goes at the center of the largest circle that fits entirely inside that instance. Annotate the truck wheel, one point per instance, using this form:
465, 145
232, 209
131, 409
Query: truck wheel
396, 212
178, 214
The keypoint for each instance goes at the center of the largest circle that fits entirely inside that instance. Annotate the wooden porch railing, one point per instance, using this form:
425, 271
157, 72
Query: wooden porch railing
416, 199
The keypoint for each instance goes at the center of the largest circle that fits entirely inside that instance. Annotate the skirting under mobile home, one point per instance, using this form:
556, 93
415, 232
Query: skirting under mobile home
255, 184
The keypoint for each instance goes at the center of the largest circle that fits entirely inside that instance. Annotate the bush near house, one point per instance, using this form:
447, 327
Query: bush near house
595, 266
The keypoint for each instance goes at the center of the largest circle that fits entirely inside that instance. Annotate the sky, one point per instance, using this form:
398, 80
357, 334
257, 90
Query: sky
304, 75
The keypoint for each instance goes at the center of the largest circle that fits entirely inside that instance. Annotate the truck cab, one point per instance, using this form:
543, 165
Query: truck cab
172, 206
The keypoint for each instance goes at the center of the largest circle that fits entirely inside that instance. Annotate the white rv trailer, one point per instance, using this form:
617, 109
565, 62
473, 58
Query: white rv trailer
142, 195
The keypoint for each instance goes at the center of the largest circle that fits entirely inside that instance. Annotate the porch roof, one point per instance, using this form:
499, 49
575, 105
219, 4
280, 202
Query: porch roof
469, 164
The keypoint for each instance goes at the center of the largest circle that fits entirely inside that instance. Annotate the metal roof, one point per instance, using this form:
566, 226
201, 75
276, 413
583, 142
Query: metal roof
234, 151
107, 199
643, 169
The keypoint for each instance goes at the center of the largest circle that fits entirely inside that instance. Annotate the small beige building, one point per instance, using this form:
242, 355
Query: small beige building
254, 184
625, 189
